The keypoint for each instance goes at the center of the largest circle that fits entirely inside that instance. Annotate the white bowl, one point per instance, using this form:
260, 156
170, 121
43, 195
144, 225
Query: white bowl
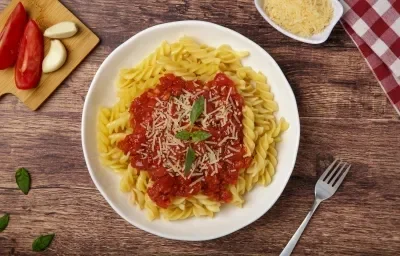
102, 93
315, 39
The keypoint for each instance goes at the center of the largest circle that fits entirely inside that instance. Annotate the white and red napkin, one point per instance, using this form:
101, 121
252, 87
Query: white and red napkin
374, 26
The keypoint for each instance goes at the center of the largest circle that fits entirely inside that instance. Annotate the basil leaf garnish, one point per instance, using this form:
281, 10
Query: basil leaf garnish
183, 135
190, 157
4, 222
197, 109
42, 243
23, 180
200, 136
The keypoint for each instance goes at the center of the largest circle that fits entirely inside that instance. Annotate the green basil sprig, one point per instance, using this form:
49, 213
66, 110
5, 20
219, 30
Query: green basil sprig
190, 157
183, 135
196, 136
197, 109
200, 136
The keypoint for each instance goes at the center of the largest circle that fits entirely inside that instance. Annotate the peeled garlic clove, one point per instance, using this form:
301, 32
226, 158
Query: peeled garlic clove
56, 57
61, 30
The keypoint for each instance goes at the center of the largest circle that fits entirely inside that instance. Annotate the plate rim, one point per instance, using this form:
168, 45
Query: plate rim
84, 120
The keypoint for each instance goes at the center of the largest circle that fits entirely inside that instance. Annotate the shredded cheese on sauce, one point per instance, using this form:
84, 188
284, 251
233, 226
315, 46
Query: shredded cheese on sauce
160, 133
304, 18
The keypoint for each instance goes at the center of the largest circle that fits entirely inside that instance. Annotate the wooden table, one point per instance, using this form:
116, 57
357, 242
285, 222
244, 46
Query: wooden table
343, 113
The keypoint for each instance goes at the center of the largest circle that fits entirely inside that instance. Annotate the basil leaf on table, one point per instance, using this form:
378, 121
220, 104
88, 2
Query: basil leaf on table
23, 180
183, 135
4, 222
197, 109
200, 136
42, 242
190, 157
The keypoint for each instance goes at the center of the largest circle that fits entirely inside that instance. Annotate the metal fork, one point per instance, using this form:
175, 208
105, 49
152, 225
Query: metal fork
325, 188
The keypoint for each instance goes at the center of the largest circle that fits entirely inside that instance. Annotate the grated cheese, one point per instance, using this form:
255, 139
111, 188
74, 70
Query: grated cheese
196, 181
233, 149
229, 94
304, 18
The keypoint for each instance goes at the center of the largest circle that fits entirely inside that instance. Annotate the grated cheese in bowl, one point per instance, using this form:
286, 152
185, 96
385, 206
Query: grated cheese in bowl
304, 18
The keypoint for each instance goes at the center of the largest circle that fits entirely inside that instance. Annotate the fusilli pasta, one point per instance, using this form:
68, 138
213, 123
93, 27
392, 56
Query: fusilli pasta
191, 60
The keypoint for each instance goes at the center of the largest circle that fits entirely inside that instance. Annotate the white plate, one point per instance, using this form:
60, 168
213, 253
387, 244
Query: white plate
102, 93
315, 39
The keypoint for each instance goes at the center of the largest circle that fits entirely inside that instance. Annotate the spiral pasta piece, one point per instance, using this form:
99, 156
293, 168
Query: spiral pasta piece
128, 181
142, 181
102, 130
119, 124
152, 210
176, 68
260, 155
138, 198
200, 53
148, 67
175, 213
236, 197
248, 130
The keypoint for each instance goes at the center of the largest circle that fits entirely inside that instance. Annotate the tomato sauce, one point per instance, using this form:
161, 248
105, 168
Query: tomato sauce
216, 176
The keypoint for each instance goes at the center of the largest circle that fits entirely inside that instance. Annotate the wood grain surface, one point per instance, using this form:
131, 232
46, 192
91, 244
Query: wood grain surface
343, 113
47, 13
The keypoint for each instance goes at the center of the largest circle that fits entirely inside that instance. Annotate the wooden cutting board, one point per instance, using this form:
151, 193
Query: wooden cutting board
47, 13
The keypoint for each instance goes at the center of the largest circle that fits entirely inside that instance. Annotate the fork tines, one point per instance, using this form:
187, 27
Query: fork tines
335, 176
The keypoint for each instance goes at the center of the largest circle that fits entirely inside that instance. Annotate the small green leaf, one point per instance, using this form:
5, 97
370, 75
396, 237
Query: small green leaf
200, 136
23, 180
42, 242
190, 157
197, 109
4, 222
183, 135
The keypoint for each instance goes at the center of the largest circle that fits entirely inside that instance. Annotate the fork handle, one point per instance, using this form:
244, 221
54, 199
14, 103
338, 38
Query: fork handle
295, 238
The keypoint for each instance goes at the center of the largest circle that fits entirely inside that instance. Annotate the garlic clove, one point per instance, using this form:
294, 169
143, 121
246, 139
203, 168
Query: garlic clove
56, 57
61, 30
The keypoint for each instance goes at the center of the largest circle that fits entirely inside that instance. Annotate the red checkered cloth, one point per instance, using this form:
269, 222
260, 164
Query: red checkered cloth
374, 26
